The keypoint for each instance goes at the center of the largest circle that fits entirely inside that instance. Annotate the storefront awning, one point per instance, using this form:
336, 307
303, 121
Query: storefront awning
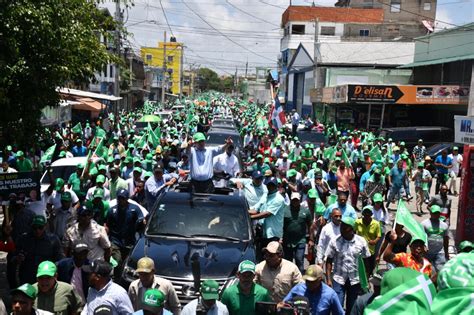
81, 93
438, 61
88, 104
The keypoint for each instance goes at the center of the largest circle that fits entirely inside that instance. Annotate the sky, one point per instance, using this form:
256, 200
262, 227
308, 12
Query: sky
226, 34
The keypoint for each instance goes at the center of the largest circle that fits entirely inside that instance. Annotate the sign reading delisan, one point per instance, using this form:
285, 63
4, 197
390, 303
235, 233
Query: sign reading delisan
464, 129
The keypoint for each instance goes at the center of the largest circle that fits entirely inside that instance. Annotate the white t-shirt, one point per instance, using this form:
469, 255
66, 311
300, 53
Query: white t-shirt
457, 161
55, 198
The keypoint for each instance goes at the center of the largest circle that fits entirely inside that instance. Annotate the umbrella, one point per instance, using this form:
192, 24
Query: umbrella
150, 118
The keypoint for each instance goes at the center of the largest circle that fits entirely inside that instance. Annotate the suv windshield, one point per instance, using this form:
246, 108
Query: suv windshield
59, 172
219, 138
200, 218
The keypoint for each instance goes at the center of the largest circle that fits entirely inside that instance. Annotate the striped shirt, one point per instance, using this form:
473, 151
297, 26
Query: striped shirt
344, 254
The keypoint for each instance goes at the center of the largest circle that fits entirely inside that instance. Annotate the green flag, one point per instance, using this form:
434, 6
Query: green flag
405, 218
101, 150
48, 154
345, 158
329, 153
412, 297
364, 282
77, 128
331, 200
157, 132
319, 207
152, 138
140, 142
99, 132
375, 154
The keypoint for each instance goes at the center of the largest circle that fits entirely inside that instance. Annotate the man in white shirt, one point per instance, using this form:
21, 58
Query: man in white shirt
6, 168
54, 201
295, 120
329, 231
454, 172
226, 163
283, 164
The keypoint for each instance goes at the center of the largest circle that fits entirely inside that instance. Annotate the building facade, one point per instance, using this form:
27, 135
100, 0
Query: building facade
154, 57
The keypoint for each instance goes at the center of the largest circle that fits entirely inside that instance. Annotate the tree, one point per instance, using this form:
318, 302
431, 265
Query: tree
46, 44
208, 79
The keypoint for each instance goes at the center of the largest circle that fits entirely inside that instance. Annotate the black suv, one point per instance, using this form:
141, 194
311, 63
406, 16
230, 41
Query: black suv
193, 237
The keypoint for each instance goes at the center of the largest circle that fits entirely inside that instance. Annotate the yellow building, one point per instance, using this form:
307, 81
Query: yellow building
153, 56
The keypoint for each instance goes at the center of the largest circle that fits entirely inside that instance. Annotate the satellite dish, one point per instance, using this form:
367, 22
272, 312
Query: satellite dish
428, 25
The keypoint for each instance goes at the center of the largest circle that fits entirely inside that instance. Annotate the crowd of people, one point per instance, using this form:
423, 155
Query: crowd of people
321, 214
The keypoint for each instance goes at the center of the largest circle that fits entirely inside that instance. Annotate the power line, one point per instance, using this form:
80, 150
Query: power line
166, 18
249, 14
228, 38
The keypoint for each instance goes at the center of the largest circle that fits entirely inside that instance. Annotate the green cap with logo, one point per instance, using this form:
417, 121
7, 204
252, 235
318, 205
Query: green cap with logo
210, 290
27, 289
38, 220
153, 298
46, 269
246, 266
66, 196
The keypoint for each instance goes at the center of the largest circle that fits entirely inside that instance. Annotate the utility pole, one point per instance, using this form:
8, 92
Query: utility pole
118, 18
246, 67
165, 71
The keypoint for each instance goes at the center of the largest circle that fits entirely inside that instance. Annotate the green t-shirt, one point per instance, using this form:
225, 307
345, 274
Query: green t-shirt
62, 301
24, 166
240, 304
294, 226
75, 182
100, 211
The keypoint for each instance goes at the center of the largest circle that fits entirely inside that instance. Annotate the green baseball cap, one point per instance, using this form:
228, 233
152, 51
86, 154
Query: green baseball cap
312, 193
247, 266
148, 174
98, 193
210, 290
421, 164
19, 153
100, 179
291, 173
38, 220
27, 289
457, 273
46, 268
348, 220
66, 196
58, 183
435, 209
199, 137
153, 298
368, 208
137, 169
377, 197
110, 159
62, 154
102, 167
395, 277
466, 244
